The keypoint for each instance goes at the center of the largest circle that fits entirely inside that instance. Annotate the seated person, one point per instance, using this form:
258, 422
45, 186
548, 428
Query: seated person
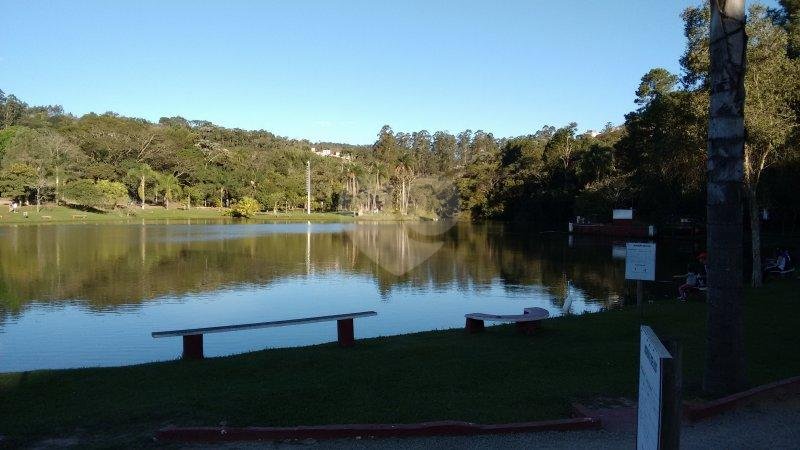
788, 258
781, 263
702, 270
693, 280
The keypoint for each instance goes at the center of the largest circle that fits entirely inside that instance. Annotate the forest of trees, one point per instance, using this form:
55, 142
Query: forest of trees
654, 162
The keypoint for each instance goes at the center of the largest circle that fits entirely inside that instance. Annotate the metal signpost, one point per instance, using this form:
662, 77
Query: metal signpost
640, 265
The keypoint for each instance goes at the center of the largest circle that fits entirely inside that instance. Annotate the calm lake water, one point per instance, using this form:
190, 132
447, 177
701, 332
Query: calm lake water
90, 295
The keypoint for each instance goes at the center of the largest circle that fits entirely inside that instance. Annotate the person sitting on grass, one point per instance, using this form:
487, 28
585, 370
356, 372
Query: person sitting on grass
692, 282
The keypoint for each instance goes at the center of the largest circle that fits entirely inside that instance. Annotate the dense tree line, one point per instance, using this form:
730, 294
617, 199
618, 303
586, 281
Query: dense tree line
104, 161
654, 162
49, 156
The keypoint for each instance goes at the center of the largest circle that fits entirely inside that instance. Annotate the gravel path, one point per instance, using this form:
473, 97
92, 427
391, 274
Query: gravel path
773, 425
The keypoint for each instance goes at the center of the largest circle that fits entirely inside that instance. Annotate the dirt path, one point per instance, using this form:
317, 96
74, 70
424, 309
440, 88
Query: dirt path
773, 425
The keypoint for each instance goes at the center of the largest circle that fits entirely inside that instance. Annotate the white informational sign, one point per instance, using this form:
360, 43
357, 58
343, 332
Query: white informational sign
622, 214
651, 369
640, 261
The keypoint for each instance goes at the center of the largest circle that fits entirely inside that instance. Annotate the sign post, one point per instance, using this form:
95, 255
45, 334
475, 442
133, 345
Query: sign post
640, 265
658, 415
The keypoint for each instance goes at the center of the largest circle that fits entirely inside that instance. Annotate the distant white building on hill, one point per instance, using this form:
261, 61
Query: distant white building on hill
330, 153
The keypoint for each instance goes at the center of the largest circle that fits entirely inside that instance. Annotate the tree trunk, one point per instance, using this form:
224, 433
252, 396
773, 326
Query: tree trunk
57, 180
142, 191
403, 197
38, 198
755, 232
406, 189
725, 358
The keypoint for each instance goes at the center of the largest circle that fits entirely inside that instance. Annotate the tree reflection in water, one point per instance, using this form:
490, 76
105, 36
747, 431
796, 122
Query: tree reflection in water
74, 295
104, 266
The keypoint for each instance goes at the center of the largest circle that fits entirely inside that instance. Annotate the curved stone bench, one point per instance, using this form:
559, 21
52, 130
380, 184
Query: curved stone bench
527, 322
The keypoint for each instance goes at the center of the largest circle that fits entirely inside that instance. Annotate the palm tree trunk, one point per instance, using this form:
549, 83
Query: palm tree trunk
755, 236
408, 195
725, 358
142, 192
403, 198
377, 188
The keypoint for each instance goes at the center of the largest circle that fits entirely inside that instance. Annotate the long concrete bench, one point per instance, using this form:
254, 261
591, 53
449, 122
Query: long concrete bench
193, 337
527, 322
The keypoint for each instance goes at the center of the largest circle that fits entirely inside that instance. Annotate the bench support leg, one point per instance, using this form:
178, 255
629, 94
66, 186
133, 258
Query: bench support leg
344, 329
474, 325
528, 328
193, 346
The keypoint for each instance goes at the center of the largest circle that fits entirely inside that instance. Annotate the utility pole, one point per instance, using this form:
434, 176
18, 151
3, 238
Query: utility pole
308, 187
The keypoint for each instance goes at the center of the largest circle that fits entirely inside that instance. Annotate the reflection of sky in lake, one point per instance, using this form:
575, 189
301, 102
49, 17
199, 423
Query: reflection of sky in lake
69, 335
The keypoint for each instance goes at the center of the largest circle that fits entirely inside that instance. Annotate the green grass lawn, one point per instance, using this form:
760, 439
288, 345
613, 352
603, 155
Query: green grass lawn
62, 214
496, 376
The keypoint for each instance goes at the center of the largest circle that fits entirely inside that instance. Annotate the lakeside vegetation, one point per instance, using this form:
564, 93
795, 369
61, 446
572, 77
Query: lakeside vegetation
51, 213
411, 378
654, 161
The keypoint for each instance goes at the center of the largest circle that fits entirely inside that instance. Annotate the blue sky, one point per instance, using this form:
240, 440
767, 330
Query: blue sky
339, 70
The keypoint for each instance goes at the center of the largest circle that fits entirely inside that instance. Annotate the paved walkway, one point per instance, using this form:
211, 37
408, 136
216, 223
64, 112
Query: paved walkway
773, 425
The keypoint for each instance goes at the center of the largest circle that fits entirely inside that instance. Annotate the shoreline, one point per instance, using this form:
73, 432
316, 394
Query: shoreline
52, 214
426, 376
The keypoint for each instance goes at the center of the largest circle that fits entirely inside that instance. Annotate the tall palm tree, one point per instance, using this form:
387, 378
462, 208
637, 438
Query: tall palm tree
404, 170
169, 185
725, 359
141, 172
377, 170
353, 171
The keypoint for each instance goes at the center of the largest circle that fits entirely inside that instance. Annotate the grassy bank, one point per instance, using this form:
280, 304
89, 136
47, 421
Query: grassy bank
497, 376
62, 214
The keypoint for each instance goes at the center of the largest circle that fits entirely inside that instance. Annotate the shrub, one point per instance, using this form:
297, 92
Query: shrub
246, 207
103, 194
112, 193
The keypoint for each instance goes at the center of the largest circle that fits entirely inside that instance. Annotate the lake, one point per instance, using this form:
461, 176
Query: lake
83, 295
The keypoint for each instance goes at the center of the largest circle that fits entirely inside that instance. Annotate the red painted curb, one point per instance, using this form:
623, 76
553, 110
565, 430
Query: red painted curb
578, 410
584, 421
443, 428
715, 407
